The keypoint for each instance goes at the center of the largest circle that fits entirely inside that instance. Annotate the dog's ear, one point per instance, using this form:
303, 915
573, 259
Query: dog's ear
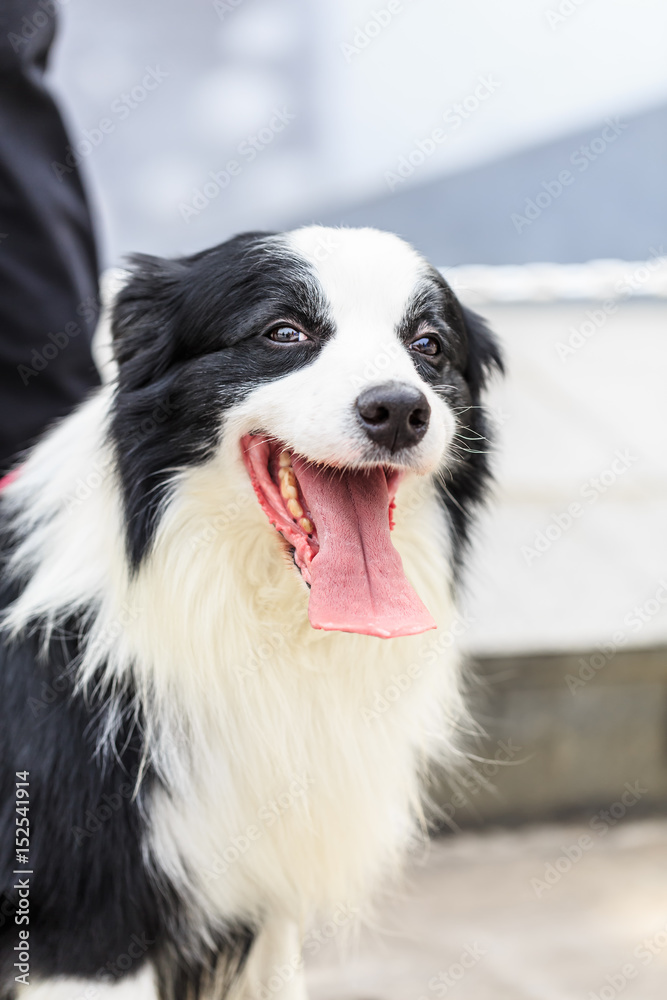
484, 354
145, 316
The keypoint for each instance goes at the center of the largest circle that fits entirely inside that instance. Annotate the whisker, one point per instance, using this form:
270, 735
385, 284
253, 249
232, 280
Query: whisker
476, 435
441, 480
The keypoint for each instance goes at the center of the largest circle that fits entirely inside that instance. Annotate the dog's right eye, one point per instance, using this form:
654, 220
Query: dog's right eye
286, 335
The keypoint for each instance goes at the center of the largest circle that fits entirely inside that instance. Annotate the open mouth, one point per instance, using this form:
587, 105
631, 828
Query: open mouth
337, 523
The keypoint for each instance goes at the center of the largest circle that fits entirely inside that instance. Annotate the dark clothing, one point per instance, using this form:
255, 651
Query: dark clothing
48, 262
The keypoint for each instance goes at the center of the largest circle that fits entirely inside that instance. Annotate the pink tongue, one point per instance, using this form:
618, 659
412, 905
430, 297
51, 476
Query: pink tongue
357, 579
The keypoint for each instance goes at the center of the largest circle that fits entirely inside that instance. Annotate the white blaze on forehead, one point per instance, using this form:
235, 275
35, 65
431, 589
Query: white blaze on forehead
367, 280
367, 276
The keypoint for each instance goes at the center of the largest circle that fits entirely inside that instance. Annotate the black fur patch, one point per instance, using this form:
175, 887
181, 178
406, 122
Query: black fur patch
211, 975
470, 355
466, 486
95, 911
188, 341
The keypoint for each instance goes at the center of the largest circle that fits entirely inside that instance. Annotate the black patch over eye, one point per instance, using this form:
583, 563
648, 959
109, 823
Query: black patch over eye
429, 346
191, 342
286, 335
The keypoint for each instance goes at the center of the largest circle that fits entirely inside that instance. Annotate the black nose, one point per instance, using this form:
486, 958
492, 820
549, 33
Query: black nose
394, 415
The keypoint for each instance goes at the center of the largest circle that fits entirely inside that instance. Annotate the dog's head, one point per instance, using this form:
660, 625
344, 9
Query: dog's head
333, 363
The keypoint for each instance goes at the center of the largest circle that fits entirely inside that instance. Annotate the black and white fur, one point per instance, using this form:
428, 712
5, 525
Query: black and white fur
159, 677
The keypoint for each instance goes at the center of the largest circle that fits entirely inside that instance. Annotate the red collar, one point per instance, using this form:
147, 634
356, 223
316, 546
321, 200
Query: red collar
9, 478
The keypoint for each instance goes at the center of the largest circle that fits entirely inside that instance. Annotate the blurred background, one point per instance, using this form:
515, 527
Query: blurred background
522, 147
515, 89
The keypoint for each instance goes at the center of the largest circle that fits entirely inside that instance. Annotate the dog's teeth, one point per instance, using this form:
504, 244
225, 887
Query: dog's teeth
295, 509
288, 487
290, 492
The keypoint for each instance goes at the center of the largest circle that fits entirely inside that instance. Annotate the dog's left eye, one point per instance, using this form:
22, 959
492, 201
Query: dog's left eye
286, 335
426, 345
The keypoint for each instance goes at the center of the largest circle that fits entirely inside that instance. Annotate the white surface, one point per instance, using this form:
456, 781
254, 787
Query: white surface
476, 894
561, 422
596, 279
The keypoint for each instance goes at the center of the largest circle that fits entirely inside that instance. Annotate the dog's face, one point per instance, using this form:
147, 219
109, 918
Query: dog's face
333, 362
370, 337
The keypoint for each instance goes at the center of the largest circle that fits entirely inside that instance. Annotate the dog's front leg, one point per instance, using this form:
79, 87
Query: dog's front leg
275, 965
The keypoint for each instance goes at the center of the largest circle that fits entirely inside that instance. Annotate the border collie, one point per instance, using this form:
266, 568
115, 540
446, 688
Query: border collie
219, 685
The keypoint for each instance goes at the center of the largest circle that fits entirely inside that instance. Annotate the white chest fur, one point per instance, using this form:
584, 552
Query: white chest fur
292, 757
